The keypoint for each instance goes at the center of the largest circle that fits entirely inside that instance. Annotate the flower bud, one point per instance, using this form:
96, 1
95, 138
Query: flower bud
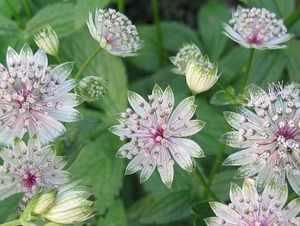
201, 74
47, 40
92, 88
44, 201
71, 205
186, 52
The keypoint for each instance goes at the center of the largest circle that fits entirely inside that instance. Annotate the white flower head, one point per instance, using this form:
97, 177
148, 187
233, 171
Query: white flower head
269, 136
201, 74
186, 52
30, 168
47, 40
34, 97
158, 135
248, 207
256, 28
115, 32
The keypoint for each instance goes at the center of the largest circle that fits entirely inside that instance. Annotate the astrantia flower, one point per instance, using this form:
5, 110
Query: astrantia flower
158, 136
186, 52
29, 168
115, 32
269, 136
92, 88
250, 208
201, 74
257, 28
34, 97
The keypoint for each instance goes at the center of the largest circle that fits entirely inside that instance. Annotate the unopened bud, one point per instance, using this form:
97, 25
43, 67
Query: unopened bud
44, 201
47, 40
186, 52
92, 88
201, 74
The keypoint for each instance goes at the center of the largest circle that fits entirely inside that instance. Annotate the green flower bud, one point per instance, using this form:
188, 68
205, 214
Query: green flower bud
92, 88
44, 201
47, 40
186, 52
201, 74
72, 205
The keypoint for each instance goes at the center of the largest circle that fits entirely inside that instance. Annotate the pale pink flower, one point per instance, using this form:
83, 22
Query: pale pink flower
269, 136
114, 32
158, 136
248, 207
34, 97
30, 168
257, 28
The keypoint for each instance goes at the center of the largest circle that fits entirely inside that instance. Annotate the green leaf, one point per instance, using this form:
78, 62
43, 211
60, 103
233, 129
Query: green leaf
76, 139
267, 66
293, 56
5, 9
60, 16
98, 167
115, 216
9, 29
210, 17
8, 206
282, 9
169, 209
83, 7
222, 97
202, 209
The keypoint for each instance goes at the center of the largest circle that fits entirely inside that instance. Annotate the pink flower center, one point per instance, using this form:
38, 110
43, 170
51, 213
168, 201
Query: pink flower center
158, 134
287, 132
29, 180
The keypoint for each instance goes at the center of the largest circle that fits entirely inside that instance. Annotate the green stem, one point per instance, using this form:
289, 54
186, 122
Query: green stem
158, 32
27, 8
58, 59
292, 18
16, 15
77, 76
12, 223
247, 70
121, 6
217, 162
205, 186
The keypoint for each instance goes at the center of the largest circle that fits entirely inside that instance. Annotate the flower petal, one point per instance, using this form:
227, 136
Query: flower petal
189, 146
165, 167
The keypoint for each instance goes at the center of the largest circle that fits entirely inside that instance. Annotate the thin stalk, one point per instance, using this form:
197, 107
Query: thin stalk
87, 62
292, 18
58, 59
158, 31
121, 6
27, 8
247, 70
217, 162
205, 186
12, 223
16, 15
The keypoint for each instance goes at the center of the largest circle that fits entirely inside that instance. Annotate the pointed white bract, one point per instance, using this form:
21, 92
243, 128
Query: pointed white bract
256, 28
158, 134
30, 168
269, 136
34, 97
114, 32
248, 207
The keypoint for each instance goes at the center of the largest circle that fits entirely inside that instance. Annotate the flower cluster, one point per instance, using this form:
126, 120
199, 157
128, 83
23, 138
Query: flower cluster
158, 136
248, 207
115, 32
269, 136
256, 28
34, 97
92, 88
